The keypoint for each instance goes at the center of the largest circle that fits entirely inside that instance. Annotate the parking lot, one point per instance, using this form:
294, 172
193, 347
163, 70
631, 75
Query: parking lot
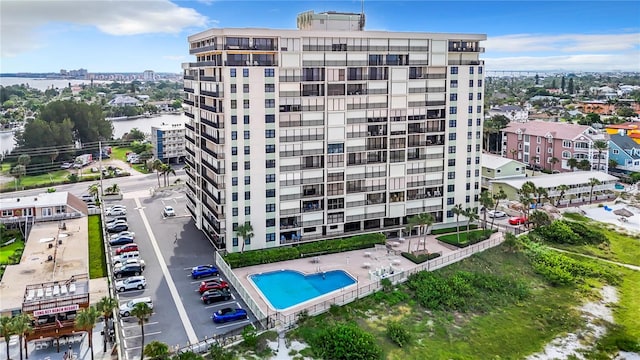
170, 247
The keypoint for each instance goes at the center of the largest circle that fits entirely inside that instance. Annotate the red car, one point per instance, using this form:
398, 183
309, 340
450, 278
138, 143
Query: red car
518, 220
126, 248
218, 284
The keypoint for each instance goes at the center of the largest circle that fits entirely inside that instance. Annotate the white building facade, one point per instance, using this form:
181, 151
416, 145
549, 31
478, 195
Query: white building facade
168, 142
322, 134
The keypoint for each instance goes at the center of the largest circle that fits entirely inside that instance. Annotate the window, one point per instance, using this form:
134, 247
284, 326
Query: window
451, 188
479, 123
469, 122
451, 162
479, 97
479, 83
453, 97
234, 104
479, 69
245, 72
247, 241
247, 134
270, 222
269, 72
269, 103
234, 196
479, 109
452, 136
235, 241
234, 226
454, 84
468, 161
269, 119
232, 72
234, 89
449, 215
468, 173
269, 133
270, 207
450, 201
452, 149
271, 237
468, 148
270, 193
470, 96
247, 150
468, 186
454, 70
467, 199
234, 135
566, 144
269, 88
615, 151
270, 164
246, 119
477, 147
234, 181
470, 83
269, 149
234, 150
247, 195
451, 175
234, 166
270, 178
453, 110
247, 165
234, 211
247, 210
471, 70
477, 160
470, 109
245, 103
245, 88
452, 123
234, 119
566, 155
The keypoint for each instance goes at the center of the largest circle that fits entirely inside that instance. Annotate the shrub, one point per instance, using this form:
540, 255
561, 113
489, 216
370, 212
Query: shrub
217, 352
346, 342
398, 333
451, 229
586, 234
558, 232
419, 259
250, 337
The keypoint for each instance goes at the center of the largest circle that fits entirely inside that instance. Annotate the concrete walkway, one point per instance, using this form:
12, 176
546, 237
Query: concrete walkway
628, 266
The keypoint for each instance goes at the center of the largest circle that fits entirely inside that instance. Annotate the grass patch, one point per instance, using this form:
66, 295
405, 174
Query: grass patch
120, 153
7, 251
452, 229
628, 308
466, 239
419, 259
4, 168
32, 181
97, 259
576, 217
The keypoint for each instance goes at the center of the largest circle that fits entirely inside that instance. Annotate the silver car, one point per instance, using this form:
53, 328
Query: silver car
130, 283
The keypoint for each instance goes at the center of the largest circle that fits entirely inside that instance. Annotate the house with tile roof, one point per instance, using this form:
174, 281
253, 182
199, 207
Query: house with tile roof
625, 151
550, 145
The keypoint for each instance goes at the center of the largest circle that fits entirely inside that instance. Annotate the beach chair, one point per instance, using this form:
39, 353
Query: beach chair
72, 288
48, 292
30, 295
63, 290
56, 290
40, 293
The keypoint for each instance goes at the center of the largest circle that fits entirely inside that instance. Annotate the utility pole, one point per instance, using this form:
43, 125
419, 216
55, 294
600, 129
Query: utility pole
100, 169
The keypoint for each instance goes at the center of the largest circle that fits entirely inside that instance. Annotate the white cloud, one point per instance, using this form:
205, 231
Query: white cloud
527, 43
20, 20
626, 61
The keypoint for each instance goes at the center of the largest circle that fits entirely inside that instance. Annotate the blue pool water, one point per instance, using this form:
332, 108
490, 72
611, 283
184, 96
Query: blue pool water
286, 288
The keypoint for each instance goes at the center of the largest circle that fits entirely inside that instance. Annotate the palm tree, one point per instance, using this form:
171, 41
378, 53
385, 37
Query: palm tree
6, 330
572, 163
458, 210
487, 203
157, 350
613, 164
500, 195
142, 311
86, 320
593, 182
245, 231
21, 325
563, 189
156, 165
411, 223
601, 146
472, 215
113, 189
166, 170
513, 153
553, 161
94, 190
425, 220
541, 193
105, 306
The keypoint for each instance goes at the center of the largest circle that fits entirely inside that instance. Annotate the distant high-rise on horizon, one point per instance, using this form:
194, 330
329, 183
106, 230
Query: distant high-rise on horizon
329, 131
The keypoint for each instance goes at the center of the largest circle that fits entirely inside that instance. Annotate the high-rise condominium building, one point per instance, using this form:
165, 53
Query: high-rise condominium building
329, 131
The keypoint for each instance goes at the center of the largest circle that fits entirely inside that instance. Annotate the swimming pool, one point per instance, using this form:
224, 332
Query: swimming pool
287, 288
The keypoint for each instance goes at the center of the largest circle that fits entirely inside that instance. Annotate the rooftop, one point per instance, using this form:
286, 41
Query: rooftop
40, 200
491, 161
558, 130
567, 178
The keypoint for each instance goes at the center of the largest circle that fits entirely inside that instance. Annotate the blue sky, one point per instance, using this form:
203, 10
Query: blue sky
135, 35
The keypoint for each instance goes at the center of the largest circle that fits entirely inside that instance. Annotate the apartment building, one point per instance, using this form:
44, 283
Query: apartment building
329, 131
168, 142
550, 145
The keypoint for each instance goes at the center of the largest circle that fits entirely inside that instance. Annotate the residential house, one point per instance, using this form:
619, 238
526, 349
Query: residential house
630, 129
497, 167
625, 152
547, 145
512, 112
124, 100
43, 207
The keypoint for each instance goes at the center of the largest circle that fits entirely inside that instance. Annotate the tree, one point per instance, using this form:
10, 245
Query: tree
18, 172
156, 165
472, 215
553, 161
500, 195
142, 311
513, 153
135, 134
571, 88
188, 355
539, 218
625, 112
6, 330
217, 352
86, 320
412, 222
563, 189
600, 146
88, 121
113, 189
166, 170
584, 165
572, 163
106, 306
343, 341
157, 350
487, 203
21, 325
592, 183
613, 164
423, 221
492, 127
94, 190
458, 210
245, 231
24, 159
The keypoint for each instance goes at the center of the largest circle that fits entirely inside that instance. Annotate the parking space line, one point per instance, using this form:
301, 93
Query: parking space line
146, 334
234, 323
220, 303
182, 312
136, 325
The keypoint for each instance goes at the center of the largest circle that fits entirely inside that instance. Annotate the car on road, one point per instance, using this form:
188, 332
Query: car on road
229, 314
130, 261
127, 270
124, 233
126, 308
134, 282
215, 295
118, 228
518, 220
168, 211
121, 240
217, 284
496, 214
116, 211
204, 271
127, 248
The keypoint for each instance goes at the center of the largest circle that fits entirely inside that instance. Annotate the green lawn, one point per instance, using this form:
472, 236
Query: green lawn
464, 241
120, 153
8, 250
41, 180
97, 259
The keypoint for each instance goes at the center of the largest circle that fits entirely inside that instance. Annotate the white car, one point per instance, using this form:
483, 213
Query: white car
123, 233
496, 214
129, 261
130, 283
116, 211
168, 211
125, 309
124, 256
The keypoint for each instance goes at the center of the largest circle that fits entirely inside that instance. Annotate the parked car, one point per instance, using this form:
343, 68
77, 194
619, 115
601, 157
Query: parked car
496, 214
117, 206
127, 270
115, 222
204, 271
116, 259
134, 282
117, 228
118, 217
229, 314
121, 240
518, 220
66, 165
168, 211
130, 261
124, 233
125, 309
116, 211
212, 296
88, 198
127, 248
218, 284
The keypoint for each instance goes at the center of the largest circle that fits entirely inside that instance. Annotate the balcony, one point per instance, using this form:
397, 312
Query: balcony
212, 167
203, 49
189, 126
290, 222
310, 206
189, 115
212, 124
188, 102
208, 108
216, 140
216, 94
189, 90
204, 63
212, 152
209, 78
189, 77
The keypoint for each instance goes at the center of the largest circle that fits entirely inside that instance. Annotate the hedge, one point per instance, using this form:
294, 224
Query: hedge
323, 247
452, 229
419, 259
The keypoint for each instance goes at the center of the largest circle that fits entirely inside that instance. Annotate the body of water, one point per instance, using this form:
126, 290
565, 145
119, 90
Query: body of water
120, 127
44, 84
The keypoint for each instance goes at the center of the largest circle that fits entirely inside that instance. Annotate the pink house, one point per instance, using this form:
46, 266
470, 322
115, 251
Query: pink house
549, 145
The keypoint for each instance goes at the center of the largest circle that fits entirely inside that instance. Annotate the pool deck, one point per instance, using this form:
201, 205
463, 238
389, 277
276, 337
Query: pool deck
357, 263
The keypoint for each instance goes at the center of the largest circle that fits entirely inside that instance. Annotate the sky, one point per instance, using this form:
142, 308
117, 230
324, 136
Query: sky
138, 35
